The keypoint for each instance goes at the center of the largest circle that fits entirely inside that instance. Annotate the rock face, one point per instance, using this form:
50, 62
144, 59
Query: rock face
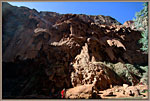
130, 24
83, 91
128, 92
44, 52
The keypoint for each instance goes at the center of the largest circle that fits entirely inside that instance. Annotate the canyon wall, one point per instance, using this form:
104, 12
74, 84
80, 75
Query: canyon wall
44, 52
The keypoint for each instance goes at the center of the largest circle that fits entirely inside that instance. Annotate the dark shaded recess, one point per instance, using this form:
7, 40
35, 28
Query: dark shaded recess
35, 79
5, 15
22, 78
13, 75
13, 22
47, 64
4, 46
145, 63
136, 79
32, 23
140, 70
38, 38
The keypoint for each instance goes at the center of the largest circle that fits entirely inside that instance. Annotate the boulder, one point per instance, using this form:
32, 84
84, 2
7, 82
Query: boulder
80, 92
125, 86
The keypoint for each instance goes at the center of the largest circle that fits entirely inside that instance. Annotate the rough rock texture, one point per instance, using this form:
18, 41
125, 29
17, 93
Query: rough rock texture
83, 91
130, 24
19, 26
130, 92
44, 52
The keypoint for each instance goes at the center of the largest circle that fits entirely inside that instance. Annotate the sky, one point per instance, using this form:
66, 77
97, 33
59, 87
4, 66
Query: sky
121, 11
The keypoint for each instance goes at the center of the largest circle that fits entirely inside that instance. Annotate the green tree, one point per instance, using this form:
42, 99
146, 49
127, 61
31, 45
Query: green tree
141, 23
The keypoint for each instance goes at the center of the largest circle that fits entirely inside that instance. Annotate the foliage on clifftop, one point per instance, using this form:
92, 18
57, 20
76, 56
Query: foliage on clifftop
141, 23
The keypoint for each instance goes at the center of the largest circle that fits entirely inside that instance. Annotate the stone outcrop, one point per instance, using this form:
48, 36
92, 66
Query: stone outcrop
130, 24
44, 52
80, 92
129, 92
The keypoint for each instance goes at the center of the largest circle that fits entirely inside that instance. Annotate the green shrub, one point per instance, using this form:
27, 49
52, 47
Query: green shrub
141, 23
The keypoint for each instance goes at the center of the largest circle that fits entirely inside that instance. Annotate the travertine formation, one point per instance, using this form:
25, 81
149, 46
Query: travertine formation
44, 52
